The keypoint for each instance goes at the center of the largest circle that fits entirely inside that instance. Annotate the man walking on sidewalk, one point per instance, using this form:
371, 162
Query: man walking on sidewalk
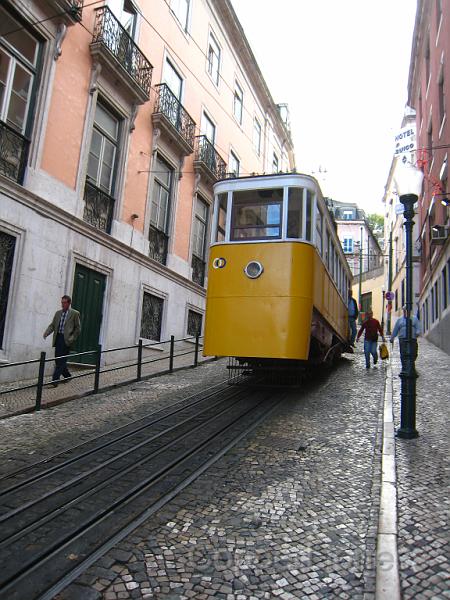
371, 327
66, 328
400, 331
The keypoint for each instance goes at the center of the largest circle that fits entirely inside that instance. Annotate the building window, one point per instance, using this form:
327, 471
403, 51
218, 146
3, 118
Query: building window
441, 96
199, 241
257, 136
18, 58
173, 79
7, 247
436, 301
103, 150
151, 319
347, 215
125, 13
444, 288
208, 128
430, 144
347, 245
101, 170
438, 14
194, 324
213, 59
427, 62
402, 289
238, 103
18, 69
160, 210
234, 165
275, 163
180, 9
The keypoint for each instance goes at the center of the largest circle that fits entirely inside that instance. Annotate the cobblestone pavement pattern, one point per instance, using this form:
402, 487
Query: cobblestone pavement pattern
290, 512
423, 480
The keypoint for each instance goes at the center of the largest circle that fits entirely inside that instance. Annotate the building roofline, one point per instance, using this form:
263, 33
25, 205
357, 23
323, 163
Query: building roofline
414, 48
236, 32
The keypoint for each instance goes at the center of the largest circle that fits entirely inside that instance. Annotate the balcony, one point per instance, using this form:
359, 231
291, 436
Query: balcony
113, 47
173, 120
70, 11
208, 162
159, 242
198, 270
13, 153
98, 208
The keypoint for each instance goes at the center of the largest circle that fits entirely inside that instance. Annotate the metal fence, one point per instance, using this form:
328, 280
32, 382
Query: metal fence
97, 371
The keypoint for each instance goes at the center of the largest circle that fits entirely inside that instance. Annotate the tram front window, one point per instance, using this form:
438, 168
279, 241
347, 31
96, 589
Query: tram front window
256, 215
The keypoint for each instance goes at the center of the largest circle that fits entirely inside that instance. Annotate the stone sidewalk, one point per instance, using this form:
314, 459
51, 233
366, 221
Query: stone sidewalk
423, 471
15, 402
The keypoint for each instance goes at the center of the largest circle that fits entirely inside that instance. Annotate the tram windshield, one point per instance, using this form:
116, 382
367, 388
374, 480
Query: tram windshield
257, 214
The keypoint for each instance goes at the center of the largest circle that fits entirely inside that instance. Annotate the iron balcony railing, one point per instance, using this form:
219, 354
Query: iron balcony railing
206, 153
198, 270
98, 207
13, 153
117, 40
159, 242
169, 105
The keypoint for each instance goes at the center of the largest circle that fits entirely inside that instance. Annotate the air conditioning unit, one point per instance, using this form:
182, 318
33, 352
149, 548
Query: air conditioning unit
439, 234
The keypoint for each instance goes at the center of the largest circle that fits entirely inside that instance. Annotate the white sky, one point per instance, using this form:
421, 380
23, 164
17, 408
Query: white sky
342, 66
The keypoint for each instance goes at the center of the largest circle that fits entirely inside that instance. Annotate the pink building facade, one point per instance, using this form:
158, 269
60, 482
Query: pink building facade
116, 119
429, 95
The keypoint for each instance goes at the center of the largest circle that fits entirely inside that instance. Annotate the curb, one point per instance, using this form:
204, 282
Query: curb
387, 563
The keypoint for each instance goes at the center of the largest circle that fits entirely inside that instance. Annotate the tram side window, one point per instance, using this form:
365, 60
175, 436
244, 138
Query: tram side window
221, 217
295, 213
309, 207
327, 249
257, 214
319, 242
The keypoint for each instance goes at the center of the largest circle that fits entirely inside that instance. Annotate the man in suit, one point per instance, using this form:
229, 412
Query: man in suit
66, 328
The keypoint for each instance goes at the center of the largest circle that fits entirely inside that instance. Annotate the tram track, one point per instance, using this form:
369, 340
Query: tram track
59, 519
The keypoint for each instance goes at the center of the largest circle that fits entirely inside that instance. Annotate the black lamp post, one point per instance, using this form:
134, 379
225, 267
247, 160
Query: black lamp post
409, 185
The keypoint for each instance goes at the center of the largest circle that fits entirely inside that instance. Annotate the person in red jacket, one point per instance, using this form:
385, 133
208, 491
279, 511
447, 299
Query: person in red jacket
372, 328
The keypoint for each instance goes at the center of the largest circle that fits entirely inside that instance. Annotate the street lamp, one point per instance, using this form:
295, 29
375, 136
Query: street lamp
408, 180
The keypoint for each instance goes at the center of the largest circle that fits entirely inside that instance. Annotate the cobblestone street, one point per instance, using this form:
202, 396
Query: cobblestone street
292, 510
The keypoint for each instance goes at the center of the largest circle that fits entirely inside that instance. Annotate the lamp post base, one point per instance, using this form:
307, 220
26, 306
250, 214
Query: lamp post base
406, 433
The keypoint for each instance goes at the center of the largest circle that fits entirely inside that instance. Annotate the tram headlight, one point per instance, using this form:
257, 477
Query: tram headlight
254, 269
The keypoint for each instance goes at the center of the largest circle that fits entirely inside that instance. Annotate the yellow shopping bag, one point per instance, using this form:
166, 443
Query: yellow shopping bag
384, 352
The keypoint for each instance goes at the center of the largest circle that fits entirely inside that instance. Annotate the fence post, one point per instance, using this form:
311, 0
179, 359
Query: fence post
40, 382
196, 350
172, 351
139, 361
98, 360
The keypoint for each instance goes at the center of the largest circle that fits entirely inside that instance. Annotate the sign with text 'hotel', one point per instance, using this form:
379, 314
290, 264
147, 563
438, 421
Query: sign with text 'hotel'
405, 142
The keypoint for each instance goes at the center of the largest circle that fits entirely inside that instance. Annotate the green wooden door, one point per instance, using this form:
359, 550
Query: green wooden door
87, 298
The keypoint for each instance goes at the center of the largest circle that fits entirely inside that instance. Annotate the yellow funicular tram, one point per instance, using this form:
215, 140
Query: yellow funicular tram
277, 276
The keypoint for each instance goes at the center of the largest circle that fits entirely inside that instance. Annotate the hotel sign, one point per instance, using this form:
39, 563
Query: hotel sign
405, 142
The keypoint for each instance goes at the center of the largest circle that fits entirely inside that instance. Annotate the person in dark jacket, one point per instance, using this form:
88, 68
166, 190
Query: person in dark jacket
353, 313
66, 328
372, 328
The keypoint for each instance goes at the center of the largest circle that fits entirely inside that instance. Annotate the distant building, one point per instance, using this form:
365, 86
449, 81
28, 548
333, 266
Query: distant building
429, 95
360, 245
363, 254
394, 234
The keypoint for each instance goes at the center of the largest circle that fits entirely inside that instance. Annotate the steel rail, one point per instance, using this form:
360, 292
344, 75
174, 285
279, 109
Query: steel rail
67, 484
108, 433
125, 498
